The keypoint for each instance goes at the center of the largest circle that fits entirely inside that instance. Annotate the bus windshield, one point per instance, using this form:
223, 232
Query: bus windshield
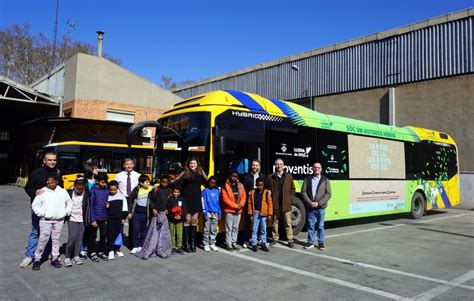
183, 136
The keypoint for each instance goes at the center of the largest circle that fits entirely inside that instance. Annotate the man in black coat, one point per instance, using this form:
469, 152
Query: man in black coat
36, 182
248, 180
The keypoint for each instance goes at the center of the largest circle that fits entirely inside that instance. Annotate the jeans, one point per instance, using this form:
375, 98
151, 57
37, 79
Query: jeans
33, 237
49, 229
210, 229
232, 221
259, 229
316, 217
139, 222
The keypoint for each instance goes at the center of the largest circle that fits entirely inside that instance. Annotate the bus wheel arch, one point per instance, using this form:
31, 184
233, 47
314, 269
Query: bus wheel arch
298, 215
418, 205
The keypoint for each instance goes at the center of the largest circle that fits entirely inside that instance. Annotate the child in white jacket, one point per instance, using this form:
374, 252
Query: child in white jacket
52, 206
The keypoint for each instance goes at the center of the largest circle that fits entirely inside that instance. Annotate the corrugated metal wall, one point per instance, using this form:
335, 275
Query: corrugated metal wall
432, 52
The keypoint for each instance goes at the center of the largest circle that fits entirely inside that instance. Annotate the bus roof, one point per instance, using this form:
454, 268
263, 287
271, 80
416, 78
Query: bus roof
97, 144
302, 116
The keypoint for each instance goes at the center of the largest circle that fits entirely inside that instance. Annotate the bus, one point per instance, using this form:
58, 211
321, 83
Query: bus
107, 156
375, 169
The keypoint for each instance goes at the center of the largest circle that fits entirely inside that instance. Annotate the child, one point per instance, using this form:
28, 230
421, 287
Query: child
158, 239
176, 208
233, 199
211, 211
117, 211
90, 172
159, 196
75, 224
259, 208
52, 206
99, 195
138, 213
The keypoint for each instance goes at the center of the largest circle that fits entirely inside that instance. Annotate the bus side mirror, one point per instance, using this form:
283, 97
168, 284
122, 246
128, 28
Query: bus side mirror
220, 145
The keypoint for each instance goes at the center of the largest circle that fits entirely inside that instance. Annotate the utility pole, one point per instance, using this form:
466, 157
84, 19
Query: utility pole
55, 37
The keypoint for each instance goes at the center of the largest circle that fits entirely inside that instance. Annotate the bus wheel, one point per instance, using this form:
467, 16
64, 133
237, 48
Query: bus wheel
417, 206
298, 215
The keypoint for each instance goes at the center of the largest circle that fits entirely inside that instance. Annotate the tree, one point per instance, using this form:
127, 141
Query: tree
25, 58
168, 83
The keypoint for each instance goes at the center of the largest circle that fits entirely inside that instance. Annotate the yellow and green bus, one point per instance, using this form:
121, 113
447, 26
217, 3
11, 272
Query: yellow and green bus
108, 157
375, 169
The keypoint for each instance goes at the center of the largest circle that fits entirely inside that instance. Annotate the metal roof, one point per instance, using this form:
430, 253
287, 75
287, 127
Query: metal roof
13, 91
434, 48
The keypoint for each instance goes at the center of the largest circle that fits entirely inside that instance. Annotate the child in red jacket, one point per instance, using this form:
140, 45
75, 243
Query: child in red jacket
233, 200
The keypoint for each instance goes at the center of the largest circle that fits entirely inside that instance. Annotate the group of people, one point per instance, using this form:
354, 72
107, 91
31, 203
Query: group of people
163, 214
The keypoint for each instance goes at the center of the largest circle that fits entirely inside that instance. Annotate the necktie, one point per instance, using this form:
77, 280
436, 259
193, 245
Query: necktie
129, 185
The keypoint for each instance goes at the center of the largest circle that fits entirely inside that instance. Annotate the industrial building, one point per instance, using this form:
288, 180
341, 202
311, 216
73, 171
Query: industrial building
421, 74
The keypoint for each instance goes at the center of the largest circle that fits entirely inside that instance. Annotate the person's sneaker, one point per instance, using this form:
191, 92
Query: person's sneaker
264, 248
291, 244
253, 248
67, 262
134, 250
207, 248
139, 249
173, 251
83, 255
77, 260
111, 255
273, 243
119, 254
308, 246
180, 251
36, 266
321, 246
56, 264
26, 262
245, 244
103, 256
214, 248
229, 248
235, 247
94, 257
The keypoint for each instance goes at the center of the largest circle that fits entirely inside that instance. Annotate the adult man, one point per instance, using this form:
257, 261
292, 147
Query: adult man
127, 180
249, 181
34, 186
283, 193
316, 192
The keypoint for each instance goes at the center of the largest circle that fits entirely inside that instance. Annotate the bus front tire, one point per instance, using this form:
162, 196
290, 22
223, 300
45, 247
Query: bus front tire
418, 205
298, 215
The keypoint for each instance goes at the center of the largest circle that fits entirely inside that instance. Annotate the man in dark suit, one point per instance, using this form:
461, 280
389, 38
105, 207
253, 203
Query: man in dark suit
316, 192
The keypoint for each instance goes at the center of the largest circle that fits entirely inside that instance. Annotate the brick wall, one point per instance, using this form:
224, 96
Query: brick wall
97, 109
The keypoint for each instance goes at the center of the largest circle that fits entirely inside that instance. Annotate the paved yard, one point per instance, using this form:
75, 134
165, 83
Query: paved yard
369, 259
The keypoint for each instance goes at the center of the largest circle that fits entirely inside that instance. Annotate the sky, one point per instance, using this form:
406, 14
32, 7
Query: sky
199, 39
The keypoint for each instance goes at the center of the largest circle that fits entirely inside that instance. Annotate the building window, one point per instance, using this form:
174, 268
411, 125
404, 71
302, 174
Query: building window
4, 136
122, 116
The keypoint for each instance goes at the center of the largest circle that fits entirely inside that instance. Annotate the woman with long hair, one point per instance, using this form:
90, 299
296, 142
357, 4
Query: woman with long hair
191, 178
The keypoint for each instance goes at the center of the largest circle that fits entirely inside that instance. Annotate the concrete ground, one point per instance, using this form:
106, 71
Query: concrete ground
370, 259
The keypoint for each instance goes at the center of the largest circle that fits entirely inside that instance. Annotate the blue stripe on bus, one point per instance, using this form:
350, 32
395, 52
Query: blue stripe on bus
289, 112
445, 198
247, 101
